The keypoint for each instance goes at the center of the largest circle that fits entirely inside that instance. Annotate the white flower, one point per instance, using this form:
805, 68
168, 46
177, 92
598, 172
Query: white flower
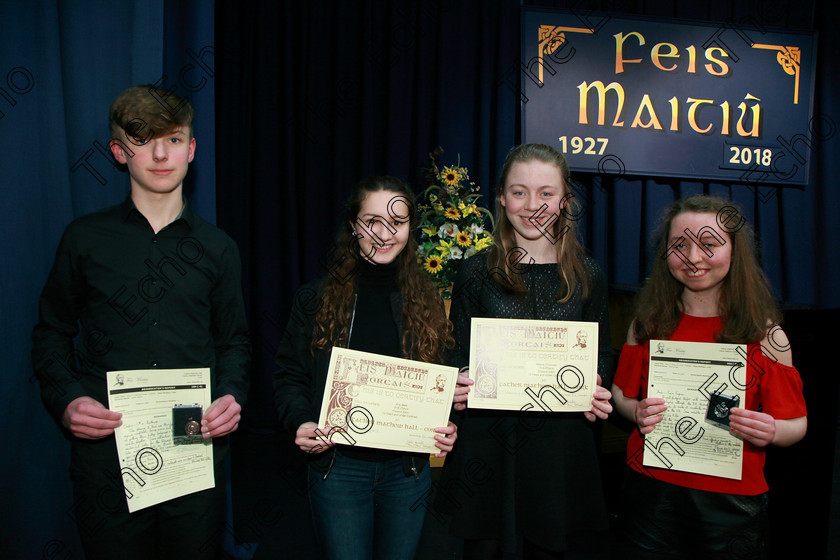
470, 252
476, 229
455, 253
448, 230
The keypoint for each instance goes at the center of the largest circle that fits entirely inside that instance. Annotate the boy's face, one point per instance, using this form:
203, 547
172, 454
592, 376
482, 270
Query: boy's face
159, 164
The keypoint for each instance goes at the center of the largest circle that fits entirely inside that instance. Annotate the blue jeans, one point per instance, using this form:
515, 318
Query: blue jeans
363, 509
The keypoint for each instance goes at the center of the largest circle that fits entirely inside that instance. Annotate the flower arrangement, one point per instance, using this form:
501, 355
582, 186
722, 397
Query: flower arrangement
452, 226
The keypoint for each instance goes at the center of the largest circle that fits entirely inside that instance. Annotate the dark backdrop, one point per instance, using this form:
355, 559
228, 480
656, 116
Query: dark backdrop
309, 97
321, 94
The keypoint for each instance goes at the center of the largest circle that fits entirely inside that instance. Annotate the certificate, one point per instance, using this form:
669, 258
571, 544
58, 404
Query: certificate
533, 365
383, 402
699, 382
160, 460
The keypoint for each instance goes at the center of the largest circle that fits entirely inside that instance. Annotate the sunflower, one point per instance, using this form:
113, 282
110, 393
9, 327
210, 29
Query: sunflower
452, 213
433, 264
463, 239
450, 176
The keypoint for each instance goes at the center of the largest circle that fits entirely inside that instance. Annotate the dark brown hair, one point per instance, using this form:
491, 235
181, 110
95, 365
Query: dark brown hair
745, 303
570, 253
427, 333
146, 111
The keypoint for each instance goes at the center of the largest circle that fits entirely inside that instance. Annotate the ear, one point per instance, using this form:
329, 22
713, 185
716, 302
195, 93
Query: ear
192, 150
502, 199
117, 152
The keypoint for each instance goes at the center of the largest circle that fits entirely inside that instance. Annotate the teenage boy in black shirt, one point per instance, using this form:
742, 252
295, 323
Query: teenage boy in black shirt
148, 285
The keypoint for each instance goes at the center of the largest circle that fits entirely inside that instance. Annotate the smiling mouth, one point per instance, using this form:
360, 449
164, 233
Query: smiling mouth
697, 273
533, 222
383, 248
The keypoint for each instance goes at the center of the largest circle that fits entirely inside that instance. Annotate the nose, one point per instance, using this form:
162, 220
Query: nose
695, 252
159, 151
381, 230
533, 202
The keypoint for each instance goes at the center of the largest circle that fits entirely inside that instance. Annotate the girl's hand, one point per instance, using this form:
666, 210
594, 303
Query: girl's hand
446, 439
601, 406
648, 413
462, 389
312, 440
757, 428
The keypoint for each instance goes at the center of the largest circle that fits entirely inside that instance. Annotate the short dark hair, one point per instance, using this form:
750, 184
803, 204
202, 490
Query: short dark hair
144, 114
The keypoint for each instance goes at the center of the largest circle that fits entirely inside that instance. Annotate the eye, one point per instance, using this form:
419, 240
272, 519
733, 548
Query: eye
174, 140
139, 141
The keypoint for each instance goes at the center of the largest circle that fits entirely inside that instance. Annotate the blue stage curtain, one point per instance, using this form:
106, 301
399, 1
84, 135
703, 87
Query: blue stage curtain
61, 65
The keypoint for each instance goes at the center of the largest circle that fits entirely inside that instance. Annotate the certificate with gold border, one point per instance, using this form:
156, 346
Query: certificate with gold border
383, 402
531, 365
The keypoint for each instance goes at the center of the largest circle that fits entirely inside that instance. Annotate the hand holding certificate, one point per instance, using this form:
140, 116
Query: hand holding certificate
161, 450
383, 402
700, 383
533, 365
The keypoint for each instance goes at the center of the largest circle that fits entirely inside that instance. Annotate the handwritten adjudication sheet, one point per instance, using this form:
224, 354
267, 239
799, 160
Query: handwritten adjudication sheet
686, 374
153, 467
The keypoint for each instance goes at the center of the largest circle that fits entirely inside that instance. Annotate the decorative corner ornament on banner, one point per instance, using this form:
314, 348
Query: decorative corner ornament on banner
661, 98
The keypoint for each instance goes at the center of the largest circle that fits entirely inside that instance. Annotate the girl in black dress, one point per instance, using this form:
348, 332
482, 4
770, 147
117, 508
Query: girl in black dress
527, 484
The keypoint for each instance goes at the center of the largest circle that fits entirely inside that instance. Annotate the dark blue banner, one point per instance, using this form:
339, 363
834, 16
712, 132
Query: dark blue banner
729, 103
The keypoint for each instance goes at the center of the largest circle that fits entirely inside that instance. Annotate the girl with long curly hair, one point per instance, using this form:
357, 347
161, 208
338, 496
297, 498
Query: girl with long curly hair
375, 299
706, 287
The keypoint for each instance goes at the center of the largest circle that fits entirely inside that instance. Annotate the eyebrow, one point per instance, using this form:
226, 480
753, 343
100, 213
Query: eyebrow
538, 188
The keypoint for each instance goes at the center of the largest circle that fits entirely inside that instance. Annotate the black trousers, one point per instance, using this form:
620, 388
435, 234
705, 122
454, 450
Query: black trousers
186, 527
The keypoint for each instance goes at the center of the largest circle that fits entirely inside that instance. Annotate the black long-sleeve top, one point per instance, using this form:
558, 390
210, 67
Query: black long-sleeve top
135, 299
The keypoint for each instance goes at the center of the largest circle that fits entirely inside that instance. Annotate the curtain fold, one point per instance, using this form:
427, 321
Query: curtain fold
61, 65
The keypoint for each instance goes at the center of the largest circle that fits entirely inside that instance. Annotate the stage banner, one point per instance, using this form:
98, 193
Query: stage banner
730, 102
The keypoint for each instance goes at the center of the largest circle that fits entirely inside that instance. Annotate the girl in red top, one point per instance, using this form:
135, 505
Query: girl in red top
707, 287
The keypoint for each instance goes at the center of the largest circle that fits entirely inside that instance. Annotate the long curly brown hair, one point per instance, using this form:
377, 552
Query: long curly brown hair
570, 253
746, 305
427, 333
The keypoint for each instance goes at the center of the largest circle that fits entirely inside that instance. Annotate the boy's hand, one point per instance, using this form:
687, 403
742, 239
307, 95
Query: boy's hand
87, 418
221, 417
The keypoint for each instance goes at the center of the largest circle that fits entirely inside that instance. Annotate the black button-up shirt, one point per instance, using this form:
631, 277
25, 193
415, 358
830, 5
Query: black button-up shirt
140, 300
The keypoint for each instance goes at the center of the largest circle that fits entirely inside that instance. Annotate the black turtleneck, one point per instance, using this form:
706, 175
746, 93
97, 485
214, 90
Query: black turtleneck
375, 329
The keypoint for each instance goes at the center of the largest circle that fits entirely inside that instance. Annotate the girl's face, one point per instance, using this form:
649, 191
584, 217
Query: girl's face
699, 252
382, 227
529, 186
